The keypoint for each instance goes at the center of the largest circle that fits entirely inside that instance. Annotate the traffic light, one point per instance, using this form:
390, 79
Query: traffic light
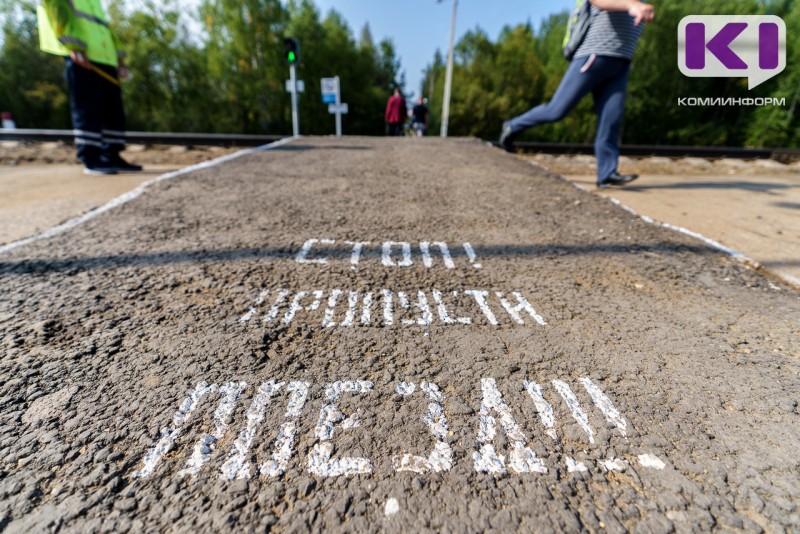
292, 47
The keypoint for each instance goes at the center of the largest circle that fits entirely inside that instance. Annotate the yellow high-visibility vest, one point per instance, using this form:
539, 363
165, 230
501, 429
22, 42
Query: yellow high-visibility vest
66, 25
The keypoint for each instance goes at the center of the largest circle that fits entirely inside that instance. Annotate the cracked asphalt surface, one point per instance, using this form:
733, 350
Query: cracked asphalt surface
214, 355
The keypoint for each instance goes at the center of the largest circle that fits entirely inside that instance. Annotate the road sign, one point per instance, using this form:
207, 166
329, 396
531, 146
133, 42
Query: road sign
301, 86
337, 108
330, 88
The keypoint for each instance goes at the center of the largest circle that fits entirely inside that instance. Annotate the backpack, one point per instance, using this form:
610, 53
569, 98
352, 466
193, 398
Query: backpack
577, 28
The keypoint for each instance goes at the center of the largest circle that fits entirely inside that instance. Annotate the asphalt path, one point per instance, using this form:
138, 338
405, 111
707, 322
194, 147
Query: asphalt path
367, 334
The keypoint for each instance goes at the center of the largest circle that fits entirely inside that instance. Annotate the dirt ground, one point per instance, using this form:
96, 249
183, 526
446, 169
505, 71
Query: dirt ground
367, 334
750, 207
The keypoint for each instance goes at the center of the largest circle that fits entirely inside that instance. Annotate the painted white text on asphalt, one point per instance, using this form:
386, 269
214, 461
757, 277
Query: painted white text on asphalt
495, 416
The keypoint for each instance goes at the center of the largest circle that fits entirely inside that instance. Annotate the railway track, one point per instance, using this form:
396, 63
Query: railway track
207, 139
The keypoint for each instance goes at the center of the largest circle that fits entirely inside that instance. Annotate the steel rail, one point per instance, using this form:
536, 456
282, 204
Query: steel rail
145, 138
207, 139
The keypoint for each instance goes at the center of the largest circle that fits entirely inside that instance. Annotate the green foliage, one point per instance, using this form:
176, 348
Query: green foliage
493, 81
32, 84
221, 69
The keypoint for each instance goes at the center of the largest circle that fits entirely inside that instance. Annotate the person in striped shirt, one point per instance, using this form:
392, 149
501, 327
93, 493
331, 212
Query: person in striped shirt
599, 66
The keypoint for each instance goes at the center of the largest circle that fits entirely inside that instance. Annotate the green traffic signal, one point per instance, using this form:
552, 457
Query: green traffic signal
292, 47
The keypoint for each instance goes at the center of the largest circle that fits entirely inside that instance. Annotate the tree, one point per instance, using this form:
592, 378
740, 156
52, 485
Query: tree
32, 83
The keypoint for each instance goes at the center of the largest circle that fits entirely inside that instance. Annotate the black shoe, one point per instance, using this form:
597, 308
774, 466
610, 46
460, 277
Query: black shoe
119, 164
98, 168
617, 179
507, 137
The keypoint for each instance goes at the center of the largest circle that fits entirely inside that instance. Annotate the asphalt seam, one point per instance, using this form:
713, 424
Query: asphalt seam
131, 195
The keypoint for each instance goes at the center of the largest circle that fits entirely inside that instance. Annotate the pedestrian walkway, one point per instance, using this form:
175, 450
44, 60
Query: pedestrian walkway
367, 333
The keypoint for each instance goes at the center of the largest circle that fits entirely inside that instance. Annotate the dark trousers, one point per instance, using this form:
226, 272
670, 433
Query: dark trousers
394, 129
98, 118
607, 79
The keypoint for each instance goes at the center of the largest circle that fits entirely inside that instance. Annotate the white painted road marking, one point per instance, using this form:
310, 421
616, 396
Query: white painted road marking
521, 459
518, 458
441, 458
208, 443
312, 252
320, 462
409, 312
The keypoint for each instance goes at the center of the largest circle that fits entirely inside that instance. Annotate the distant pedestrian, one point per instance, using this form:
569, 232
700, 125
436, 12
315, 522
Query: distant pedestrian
419, 117
600, 66
79, 31
8, 121
396, 113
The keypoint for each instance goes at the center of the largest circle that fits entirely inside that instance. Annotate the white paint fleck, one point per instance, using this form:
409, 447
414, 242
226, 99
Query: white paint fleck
543, 408
208, 443
320, 462
614, 464
352, 303
388, 307
327, 321
521, 459
480, 299
441, 308
305, 250
355, 256
472, 256
426, 316
247, 316
574, 466
386, 257
169, 435
391, 507
574, 407
441, 458
283, 450
446, 257
294, 307
366, 308
651, 461
425, 249
276, 306
605, 405
314, 306
405, 388
237, 465
523, 305
402, 300
252, 311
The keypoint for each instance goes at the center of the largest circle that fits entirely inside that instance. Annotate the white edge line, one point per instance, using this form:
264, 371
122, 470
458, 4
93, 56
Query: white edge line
131, 195
742, 258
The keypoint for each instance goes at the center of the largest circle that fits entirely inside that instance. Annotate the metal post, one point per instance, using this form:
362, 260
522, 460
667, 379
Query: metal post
448, 82
295, 116
338, 108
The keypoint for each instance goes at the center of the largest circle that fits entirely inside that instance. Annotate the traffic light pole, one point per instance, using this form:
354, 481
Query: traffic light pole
448, 81
295, 115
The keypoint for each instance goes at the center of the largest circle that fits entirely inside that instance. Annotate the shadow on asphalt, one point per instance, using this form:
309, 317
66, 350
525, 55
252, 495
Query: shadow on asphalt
757, 187
787, 205
341, 256
291, 147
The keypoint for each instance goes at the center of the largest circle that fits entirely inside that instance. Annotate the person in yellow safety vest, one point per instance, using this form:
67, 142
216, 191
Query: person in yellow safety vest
79, 31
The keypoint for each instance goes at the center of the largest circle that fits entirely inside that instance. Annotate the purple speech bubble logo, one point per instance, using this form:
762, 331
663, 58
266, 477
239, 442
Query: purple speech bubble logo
751, 46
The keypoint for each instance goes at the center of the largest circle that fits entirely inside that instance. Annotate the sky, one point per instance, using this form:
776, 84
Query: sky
419, 27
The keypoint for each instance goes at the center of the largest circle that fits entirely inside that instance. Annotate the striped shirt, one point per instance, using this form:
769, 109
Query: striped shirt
611, 33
